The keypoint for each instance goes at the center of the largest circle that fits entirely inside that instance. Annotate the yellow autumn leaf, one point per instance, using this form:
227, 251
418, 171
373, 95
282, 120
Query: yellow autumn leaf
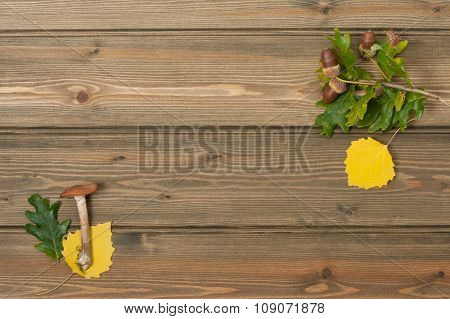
369, 164
102, 250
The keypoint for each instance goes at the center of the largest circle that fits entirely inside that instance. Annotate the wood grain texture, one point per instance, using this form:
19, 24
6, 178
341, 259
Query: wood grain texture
243, 264
117, 80
240, 177
218, 14
160, 102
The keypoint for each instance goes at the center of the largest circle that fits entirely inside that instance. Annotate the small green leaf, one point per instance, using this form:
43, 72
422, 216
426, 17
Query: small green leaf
399, 100
376, 47
46, 227
341, 45
401, 47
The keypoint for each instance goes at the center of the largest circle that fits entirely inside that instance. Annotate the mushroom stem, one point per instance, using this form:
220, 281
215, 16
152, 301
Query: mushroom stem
79, 192
85, 258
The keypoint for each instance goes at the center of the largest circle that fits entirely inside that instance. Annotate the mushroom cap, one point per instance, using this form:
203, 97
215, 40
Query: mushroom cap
79, 190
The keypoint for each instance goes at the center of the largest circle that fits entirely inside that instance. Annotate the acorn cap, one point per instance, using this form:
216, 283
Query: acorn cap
337, 86
79, 190
332, 71
367, 54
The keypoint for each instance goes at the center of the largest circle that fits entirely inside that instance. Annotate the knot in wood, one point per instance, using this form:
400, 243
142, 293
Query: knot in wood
82, 97
326, 273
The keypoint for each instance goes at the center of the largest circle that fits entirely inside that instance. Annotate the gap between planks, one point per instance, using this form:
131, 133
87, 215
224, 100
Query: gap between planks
295, 32
166, 129
263, 229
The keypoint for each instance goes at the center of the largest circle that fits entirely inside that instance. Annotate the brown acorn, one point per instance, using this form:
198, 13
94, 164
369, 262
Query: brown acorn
329, 95
333, 90
330, 64
365, 47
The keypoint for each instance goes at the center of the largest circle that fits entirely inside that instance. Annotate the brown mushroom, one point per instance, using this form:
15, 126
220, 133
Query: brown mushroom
79, 192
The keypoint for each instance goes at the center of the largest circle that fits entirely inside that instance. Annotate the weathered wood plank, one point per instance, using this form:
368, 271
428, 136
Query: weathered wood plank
228, 186
182, 80
242, 264
206, 14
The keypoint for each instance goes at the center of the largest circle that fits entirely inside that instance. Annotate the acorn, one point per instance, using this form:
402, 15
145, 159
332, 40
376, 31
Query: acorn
333, 90
329, 95
330, 64
365, 47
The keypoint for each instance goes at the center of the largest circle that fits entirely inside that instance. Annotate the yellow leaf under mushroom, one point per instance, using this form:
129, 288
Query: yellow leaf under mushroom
369, 164
101, 249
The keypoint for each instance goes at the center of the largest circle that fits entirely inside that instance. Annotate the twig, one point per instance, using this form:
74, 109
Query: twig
398, 87
396, 132
51, 290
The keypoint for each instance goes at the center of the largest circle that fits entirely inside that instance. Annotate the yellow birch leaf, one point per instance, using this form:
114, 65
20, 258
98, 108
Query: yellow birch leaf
101, 249
369, 164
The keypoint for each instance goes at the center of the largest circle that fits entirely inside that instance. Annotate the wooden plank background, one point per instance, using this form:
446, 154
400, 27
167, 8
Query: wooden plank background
78, 79
128, 80
218, 14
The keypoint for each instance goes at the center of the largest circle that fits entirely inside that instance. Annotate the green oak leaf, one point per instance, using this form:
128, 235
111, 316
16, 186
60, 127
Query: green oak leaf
345, 55
392, 66
358, 109
413, 102
335, 113
46, 227
389, 63
341, 45
380, 111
